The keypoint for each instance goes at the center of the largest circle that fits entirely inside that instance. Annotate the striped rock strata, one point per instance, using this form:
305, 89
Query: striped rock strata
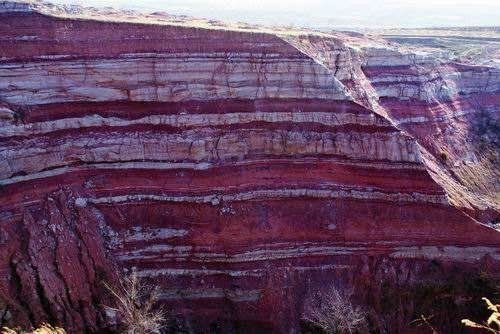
237, 168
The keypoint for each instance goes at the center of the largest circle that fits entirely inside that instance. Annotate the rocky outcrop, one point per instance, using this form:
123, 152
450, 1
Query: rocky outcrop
53, 262
239, 169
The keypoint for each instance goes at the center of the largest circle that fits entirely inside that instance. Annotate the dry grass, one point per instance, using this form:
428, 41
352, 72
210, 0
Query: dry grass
332, 312
43, 329
135, 305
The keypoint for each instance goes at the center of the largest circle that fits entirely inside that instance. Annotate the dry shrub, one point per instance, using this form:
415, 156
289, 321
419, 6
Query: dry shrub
492, 325
332, 312
43, 329
135, 305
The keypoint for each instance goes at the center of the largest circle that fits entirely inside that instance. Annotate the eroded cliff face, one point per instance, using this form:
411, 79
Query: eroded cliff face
238, 169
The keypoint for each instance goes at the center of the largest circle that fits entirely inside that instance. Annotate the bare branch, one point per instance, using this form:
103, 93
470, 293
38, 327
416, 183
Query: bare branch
333, 313
136, 305
492, 325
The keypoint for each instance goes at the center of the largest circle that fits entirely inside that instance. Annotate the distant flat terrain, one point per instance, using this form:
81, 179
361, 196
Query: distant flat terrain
480, 45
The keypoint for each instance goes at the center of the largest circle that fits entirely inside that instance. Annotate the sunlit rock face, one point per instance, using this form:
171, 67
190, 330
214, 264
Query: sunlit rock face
239, 170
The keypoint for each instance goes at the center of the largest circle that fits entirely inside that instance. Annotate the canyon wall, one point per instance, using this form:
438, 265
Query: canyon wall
239, 169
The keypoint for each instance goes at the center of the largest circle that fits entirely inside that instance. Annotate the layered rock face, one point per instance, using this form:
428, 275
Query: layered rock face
238, 169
